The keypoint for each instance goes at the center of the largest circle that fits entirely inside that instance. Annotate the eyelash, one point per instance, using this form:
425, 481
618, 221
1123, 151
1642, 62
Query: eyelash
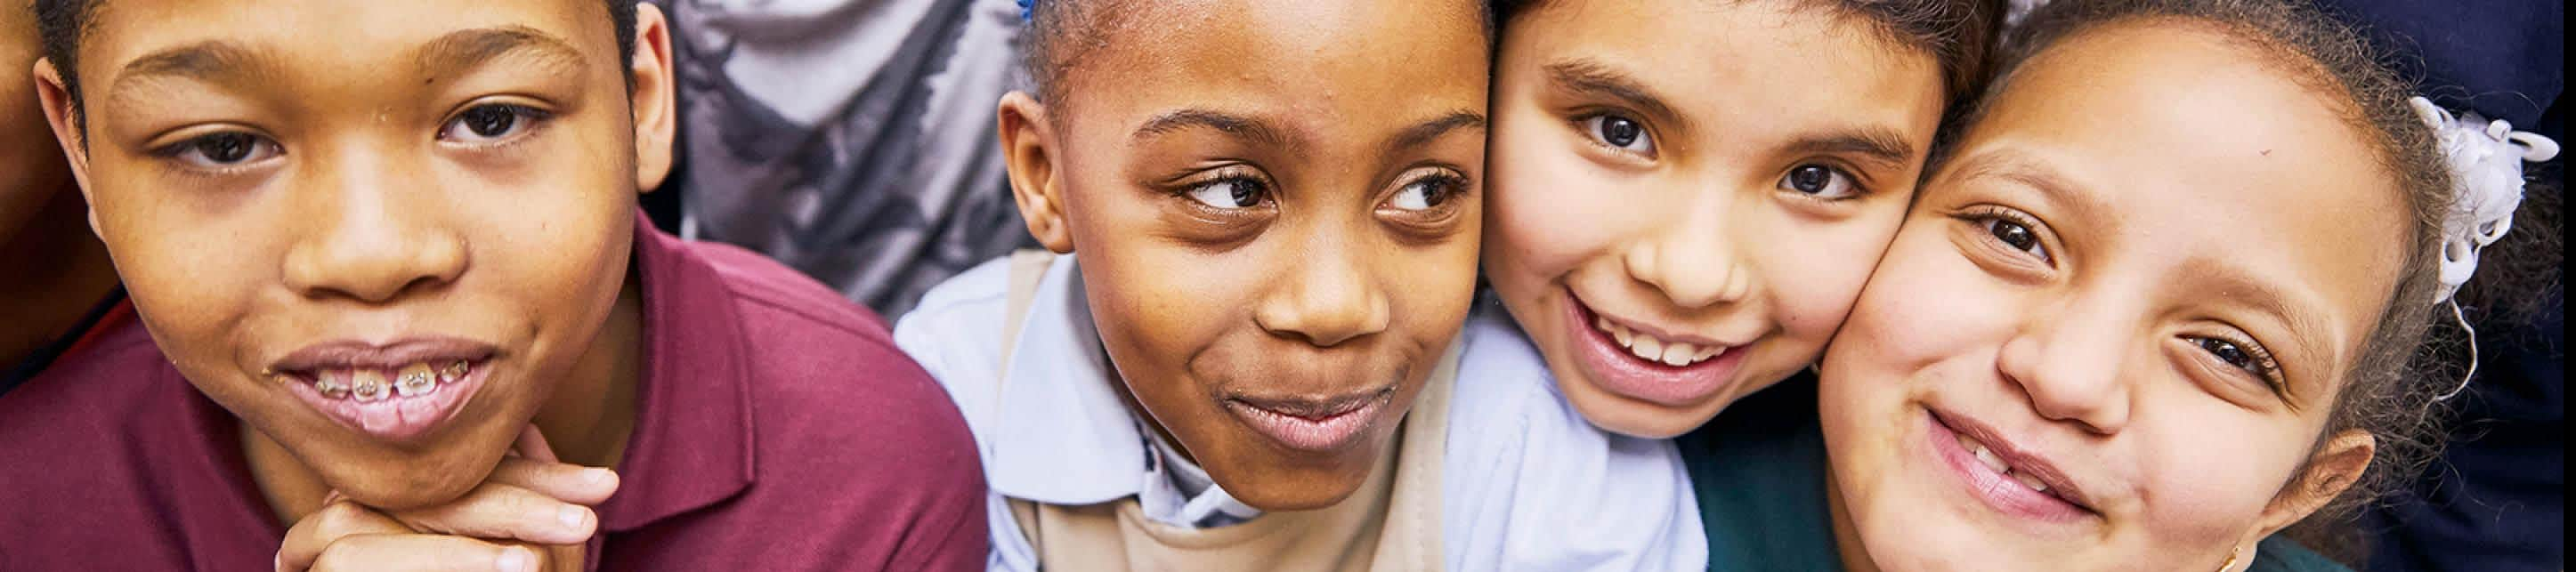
2262, 365
1448, 185
1986, 216
530, 120
175, 152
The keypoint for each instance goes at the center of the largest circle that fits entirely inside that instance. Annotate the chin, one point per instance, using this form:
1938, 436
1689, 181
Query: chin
408, 481
1275, 488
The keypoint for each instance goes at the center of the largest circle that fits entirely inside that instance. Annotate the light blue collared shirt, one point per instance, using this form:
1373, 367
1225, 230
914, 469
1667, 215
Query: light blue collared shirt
1055, 431
1530, 485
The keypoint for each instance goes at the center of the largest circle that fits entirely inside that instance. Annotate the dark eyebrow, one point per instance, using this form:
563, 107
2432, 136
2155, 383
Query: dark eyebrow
2054, 188
1592, 77
1424, 133
2268, 299
463, 49
1877, 144
208, 61
1236, 125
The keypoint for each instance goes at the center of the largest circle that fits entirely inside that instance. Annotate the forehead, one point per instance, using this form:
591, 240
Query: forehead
1321, 66
1777, 59
327, 36
2210, 158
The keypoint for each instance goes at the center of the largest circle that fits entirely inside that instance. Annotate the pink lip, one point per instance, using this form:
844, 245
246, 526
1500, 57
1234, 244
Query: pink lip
1622, 373
2003, 493
1312, 425
394, 418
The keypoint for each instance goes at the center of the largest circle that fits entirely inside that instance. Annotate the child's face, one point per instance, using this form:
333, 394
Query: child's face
1276, 209
2137, 287
378, 232
32, 163
1687, 195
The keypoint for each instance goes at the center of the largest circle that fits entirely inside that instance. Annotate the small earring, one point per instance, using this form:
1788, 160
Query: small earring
2245, 554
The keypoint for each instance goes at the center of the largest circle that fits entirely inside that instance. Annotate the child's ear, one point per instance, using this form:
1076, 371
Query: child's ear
652, 98
2333, 468
62, 113
1028, 152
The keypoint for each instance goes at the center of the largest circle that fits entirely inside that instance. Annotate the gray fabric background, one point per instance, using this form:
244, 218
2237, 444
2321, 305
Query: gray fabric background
849, 139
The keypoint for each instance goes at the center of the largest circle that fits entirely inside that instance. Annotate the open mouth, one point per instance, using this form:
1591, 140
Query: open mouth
2013, 482
395, 393
1639, 363
1312, 425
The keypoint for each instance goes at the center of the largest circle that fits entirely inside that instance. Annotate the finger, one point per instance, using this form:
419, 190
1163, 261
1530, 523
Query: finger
305, 541
503, 512
423, 553
563, 481
532, 444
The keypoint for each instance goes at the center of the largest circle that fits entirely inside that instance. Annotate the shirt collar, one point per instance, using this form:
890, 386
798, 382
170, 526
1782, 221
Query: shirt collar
692, 444
1063, 436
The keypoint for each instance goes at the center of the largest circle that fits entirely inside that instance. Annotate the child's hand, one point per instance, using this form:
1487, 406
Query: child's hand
527, 516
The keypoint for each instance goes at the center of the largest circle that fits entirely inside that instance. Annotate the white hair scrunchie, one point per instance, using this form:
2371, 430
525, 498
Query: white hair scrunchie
2485, 160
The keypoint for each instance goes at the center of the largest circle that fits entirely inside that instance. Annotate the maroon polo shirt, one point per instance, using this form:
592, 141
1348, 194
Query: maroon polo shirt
776, 428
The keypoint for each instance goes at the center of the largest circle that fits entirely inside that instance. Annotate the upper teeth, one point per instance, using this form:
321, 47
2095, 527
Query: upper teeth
375, 384
1650, 348
1997, 463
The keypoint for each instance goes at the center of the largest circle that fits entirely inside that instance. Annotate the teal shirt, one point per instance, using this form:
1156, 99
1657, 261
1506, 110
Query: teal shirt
1758, 471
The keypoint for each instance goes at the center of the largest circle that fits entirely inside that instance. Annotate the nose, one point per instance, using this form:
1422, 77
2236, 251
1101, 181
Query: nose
1692, 259
371, 233
2072, 363
1325, 300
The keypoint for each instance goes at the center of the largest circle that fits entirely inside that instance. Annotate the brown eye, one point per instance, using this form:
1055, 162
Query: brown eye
222, 150
1620, 132
491, 123
1231, 193
1819, 181
1427, 193
2017, 236
2233, 355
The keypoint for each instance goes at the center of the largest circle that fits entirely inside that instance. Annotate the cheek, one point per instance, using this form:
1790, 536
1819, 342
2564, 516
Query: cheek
1816, 272
1924, 302
1548, 211
2208, 468
193, 273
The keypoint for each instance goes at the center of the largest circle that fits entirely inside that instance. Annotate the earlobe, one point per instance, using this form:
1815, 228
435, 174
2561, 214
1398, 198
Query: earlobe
653, 98
1028, 154
62, 114
2334, 467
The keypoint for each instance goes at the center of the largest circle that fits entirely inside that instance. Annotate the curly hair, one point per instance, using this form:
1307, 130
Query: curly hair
2406, 361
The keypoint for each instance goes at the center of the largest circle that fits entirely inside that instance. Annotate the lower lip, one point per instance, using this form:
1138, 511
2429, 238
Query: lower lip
1622, 373
395, 418
2005, 494
1315, 435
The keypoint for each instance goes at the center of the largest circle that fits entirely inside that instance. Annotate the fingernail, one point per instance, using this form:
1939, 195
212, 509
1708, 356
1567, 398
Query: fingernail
571, 516
517, 559
597, 476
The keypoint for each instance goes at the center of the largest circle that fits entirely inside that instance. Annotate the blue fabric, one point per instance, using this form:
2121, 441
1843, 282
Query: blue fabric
2496, 499
2503, 58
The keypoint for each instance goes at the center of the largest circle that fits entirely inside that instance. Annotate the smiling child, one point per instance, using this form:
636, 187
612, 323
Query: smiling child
372, 244
1686, 197
2154, 307
1238, 357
